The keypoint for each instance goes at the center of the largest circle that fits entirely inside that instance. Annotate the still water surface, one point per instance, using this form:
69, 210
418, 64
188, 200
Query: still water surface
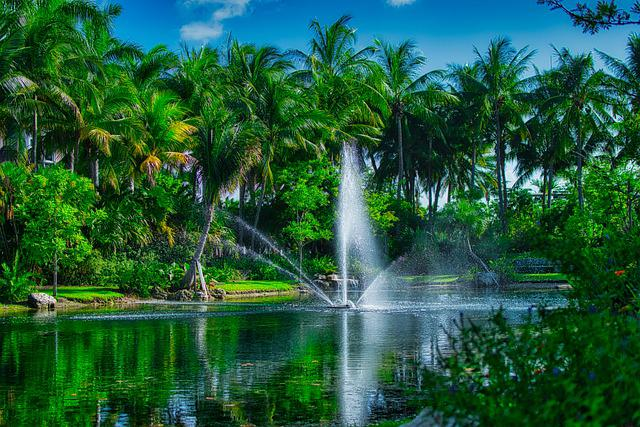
295, 363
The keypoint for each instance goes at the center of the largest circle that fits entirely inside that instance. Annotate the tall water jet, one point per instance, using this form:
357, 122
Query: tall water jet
357, 246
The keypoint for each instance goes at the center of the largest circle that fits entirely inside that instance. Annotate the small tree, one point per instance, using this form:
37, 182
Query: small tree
302, 200
309, 187
58, 207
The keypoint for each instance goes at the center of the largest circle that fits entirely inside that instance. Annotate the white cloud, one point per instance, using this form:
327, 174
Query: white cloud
398, 3
214, 27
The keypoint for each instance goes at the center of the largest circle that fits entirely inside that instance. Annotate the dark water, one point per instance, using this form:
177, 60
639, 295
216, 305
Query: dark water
232, 364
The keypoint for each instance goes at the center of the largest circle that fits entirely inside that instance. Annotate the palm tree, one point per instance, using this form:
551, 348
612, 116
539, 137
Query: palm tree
52, 48
166, 134
225, 151
337, 76
248, 70
500, 84
407, 90
286, 122
625, 85
226, 146
582, 103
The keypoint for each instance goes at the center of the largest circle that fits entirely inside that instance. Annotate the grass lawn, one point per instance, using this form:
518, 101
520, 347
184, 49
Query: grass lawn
13, 308
257, 286
540, 277
432, 278
85, 293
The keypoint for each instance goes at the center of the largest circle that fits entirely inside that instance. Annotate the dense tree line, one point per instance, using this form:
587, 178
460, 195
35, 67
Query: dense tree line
240, 117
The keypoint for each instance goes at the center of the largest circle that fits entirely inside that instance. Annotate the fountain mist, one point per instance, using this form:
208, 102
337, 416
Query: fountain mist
357, 248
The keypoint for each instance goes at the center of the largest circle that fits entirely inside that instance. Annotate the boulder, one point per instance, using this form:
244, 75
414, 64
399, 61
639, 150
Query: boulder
182, 295
201, 296
487, 278
218, 293
428, 418
321, 277
41, 301
333, 277
159, 293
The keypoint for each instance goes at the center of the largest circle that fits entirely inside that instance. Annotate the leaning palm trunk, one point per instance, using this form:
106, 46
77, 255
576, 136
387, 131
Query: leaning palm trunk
189, 278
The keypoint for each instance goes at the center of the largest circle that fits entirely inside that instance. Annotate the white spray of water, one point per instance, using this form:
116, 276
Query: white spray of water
273, 246
308, 284
357, 248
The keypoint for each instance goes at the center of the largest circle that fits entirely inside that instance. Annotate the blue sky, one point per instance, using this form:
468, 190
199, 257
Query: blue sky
445, 31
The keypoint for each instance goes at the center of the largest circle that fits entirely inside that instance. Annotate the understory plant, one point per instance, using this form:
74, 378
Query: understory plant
573, 367
15, 284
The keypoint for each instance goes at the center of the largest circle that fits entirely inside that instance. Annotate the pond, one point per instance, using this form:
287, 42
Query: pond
294, 363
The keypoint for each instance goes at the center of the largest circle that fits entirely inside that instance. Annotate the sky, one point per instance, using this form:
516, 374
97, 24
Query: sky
445, 31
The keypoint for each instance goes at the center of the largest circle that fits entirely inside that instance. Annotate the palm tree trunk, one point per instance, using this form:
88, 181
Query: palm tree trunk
400, 154
473, 167
437, 196
35, 134
499, 177
242, 195
263, 186
545, 181
55, 275
550, 186
503, 172
373, 162
190, 276
579, 170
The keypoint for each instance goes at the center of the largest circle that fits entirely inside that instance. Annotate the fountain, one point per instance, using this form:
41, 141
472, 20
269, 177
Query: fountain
357, 248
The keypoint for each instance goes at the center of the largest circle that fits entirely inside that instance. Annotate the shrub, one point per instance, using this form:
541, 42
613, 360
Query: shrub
15, 285
572, 368
320, 265
140, 277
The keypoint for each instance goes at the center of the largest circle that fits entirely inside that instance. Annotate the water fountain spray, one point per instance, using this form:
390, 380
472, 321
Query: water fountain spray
355, 238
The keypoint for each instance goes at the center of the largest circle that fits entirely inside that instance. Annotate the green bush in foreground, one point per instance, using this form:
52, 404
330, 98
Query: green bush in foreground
571, 368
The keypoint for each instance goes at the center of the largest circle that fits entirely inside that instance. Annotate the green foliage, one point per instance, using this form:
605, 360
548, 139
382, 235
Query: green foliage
572, 368
54, 210
14, 284
379, 204
140, 276
309, 186
320, 265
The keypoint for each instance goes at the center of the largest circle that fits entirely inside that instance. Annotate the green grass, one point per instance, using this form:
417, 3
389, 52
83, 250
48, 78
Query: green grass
432, 278
13, 308
85, 294
258, 286
540, 277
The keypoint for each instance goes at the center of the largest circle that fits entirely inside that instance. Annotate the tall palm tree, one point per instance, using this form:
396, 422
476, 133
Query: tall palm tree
226, 146
500, 84
53, 46
407, 90
226, 149
625, 84
286, 121
336, 74
247, 72
582, 103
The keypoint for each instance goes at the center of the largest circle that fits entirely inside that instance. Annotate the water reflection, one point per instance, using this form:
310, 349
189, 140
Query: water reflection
230, 364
